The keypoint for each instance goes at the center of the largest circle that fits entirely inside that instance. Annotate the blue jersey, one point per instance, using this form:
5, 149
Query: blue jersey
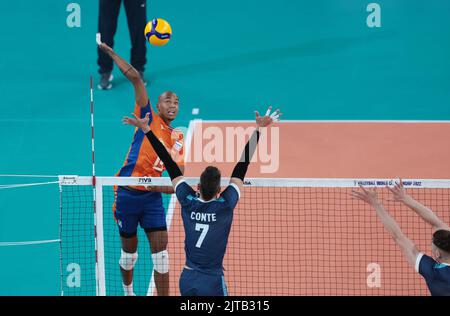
207, 227
437, 275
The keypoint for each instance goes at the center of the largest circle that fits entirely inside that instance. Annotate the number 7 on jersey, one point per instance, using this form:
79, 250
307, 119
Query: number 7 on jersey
204, 228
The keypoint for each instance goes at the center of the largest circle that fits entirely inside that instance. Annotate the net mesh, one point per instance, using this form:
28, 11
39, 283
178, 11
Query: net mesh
292, 240
77, 241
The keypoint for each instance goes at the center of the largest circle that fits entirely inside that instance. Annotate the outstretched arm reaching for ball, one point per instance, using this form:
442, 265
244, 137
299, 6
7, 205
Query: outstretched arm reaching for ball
239, 171
129, 71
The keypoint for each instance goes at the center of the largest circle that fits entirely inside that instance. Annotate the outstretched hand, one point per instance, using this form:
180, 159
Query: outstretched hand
138, 122
398, 192
369, 196
266, 120
105, 48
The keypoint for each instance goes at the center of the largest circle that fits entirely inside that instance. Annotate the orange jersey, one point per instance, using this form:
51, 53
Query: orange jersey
142, 160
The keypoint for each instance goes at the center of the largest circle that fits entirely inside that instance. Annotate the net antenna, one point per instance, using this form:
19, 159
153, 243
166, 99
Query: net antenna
97, 199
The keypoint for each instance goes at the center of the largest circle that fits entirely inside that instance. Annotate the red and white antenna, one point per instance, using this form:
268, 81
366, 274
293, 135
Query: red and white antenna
92, 134
94, 195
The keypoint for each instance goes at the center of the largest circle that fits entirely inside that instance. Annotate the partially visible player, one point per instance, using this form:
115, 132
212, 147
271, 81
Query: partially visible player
207, 217
436, 272
143, 206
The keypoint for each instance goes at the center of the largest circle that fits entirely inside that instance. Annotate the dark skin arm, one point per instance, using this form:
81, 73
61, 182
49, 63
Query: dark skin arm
131, 73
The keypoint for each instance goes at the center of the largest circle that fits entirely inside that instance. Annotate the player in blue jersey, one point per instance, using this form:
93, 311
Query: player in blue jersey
435, 270
207, 216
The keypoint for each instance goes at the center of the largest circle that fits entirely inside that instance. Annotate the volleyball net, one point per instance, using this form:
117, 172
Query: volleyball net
288, 237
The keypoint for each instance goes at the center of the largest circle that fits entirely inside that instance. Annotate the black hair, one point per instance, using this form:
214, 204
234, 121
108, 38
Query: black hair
441, 239
210, 182
167, 94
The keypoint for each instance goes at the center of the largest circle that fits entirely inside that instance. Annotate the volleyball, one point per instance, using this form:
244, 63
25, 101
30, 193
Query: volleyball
158, 32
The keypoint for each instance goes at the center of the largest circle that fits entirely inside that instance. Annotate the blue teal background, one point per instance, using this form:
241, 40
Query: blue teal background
313, 59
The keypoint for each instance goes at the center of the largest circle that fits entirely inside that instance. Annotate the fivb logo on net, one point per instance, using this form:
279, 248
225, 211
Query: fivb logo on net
213, 144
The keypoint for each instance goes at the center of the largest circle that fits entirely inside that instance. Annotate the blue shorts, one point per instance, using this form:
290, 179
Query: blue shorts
195, 283
133, 207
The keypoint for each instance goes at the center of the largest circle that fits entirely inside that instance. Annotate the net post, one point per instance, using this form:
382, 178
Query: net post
60, 239
97, 191
100, 244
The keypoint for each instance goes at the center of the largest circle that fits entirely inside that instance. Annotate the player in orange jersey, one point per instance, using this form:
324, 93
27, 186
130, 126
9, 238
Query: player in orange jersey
141, 205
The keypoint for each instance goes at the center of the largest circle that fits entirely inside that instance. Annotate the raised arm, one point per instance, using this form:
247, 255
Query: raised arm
172, 168
239, 171
400, 195
131, 73
406, 245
